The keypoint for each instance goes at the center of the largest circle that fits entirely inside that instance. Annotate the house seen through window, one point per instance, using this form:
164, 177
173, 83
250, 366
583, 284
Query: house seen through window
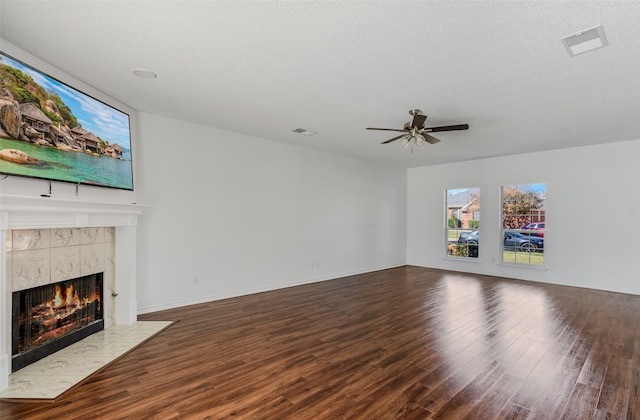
463, 222
523, 224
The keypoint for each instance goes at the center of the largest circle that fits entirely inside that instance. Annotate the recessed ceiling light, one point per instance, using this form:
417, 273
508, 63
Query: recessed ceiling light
304, 132
585, 41
145, 74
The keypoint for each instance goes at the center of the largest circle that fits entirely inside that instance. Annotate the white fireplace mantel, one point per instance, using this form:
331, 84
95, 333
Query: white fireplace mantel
29, 212
23, 212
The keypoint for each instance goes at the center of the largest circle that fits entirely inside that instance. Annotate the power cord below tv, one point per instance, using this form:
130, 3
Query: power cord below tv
47, 195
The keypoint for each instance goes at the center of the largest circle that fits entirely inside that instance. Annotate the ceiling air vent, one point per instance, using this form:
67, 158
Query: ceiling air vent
585, 41
304, 132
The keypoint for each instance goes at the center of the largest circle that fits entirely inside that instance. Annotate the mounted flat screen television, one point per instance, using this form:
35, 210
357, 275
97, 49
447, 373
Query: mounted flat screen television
53, 131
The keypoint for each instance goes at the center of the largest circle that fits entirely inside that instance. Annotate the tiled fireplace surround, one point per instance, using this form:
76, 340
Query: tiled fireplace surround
44, 241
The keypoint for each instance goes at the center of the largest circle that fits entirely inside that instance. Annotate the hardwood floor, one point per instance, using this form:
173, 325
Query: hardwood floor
412, 343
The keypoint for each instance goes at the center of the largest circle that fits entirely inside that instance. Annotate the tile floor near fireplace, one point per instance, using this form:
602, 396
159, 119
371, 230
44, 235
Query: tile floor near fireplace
50, 377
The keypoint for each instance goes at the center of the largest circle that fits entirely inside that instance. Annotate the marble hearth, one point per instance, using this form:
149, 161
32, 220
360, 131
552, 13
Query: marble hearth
45, 240
49, 378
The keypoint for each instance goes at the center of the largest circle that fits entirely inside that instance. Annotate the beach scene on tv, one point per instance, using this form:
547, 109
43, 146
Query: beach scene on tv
49, 130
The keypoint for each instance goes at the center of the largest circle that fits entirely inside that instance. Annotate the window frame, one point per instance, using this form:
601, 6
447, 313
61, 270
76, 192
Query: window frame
524, 256
469, 251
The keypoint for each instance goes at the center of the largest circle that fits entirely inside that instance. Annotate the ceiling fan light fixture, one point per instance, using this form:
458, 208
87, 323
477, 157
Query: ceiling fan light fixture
585, 41
415, 132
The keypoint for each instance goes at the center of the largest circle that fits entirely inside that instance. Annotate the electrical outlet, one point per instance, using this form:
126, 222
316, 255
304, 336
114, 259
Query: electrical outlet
196, 280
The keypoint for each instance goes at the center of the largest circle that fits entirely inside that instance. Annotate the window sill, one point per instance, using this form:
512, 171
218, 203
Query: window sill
463, 259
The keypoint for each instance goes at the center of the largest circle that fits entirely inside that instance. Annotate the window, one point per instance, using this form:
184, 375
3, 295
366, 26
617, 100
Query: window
523, 224
463, 222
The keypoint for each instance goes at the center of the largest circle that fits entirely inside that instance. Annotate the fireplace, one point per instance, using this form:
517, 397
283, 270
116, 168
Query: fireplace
50, 317
50, 240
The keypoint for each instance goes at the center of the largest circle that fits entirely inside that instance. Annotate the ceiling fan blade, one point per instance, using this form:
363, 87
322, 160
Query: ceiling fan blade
418, 120
430, 139
393, 139
386, 129
447, 128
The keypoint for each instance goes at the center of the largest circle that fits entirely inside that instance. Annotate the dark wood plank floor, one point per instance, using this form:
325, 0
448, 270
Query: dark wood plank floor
410, 343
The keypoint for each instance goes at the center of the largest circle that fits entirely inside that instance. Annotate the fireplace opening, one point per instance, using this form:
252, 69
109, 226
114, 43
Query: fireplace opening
51, 317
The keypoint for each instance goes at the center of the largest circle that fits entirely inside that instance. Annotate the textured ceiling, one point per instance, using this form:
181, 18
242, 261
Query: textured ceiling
265, 68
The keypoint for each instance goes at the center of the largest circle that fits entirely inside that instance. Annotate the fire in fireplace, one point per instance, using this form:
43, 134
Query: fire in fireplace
50, 317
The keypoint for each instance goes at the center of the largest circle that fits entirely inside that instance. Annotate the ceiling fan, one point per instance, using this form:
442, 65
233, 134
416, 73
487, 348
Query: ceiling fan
414, 132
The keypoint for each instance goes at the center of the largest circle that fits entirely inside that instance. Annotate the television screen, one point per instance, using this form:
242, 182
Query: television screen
52, 131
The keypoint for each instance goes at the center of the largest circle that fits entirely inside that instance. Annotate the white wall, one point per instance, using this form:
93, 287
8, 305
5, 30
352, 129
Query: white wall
593, 213
245, 214
242, 214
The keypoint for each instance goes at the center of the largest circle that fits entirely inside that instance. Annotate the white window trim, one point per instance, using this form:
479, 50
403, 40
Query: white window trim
524, 231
